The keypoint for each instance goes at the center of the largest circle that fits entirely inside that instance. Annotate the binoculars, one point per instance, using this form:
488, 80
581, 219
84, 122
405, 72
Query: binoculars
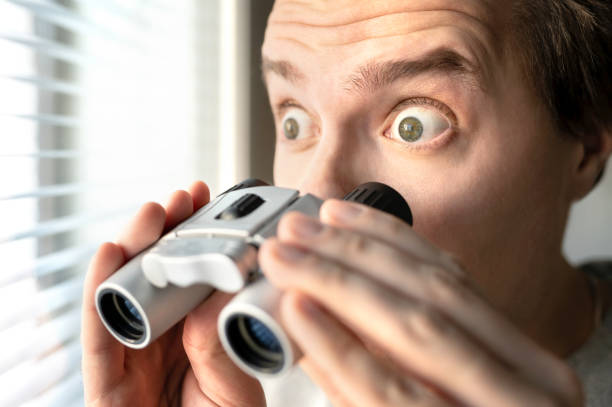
216, 249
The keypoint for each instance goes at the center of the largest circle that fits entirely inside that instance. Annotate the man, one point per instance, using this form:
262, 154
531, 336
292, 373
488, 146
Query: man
448, 103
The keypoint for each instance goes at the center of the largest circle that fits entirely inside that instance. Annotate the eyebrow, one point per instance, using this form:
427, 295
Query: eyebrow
376, 75
284, 69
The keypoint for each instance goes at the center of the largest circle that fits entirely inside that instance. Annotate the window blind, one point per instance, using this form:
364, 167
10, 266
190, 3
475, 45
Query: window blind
104, 105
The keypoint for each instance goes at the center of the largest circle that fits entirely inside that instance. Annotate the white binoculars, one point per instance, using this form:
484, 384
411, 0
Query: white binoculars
216, 249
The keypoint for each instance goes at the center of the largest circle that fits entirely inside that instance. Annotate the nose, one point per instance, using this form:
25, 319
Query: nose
332, 172
324, 179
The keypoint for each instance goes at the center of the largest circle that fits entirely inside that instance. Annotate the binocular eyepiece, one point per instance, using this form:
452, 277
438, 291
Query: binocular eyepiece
122, 315
216, 249
254, 342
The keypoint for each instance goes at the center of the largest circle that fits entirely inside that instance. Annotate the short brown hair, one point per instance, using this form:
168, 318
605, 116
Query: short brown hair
566, 47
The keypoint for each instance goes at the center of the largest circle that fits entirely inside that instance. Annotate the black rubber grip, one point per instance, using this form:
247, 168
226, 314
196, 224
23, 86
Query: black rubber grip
247, 183
383, 197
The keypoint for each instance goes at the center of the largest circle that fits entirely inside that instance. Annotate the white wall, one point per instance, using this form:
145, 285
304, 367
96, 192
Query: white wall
589, 231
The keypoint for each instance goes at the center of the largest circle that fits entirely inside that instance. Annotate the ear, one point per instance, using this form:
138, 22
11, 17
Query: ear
593, 152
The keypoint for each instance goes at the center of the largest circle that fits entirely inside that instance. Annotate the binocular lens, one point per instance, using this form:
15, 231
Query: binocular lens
122, 316
255, 343
262, 335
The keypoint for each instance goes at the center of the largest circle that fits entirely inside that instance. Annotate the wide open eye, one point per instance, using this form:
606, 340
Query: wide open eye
296, 124
417, 124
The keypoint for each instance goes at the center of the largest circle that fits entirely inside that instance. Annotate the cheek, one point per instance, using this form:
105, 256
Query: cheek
283, 171
491, 197
289, 166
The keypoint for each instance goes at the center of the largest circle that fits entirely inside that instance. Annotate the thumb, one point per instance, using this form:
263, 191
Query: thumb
218, 377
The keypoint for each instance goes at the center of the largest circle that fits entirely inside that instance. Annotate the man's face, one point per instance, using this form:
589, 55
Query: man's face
426, 97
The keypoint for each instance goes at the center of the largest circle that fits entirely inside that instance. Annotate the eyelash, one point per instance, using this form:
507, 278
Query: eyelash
420, 101
285, 105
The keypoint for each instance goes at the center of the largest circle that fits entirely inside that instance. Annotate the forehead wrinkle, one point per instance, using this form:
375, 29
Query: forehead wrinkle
337, 13
375, 75
373, 27
473, 23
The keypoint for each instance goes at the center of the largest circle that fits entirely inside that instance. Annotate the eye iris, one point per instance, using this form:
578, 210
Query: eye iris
291, 128
410, 129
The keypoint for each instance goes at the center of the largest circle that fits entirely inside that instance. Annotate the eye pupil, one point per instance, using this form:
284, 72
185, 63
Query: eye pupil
410, 129
291, 128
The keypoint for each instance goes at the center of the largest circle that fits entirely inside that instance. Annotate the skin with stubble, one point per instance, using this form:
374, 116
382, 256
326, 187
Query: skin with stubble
474, 305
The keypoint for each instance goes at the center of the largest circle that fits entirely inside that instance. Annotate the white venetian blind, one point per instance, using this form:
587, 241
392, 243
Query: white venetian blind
104, 105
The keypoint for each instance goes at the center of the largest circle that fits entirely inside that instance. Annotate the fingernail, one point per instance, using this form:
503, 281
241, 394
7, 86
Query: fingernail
290, 253
344, 211
306, 227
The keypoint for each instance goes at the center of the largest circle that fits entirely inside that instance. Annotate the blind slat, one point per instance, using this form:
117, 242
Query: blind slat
32, 378
130, 36
48, 264
65, 224
74, 154
63, 17
33, 304
67, 393
132, 43
50, 48
48, 154
153, 179
49, 191
31, 342
50, 119
47, 84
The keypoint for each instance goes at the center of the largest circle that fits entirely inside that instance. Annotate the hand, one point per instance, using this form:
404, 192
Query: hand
384, 318
186, 366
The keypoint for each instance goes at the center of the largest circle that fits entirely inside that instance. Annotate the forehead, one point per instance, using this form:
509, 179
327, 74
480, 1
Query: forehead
328, 38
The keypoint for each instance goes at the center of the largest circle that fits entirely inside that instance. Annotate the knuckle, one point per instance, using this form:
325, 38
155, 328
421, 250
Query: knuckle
351, 354
569, 384
334, 274
443, 287
454, 264
398, 391
425, 323
357, 243
569, 378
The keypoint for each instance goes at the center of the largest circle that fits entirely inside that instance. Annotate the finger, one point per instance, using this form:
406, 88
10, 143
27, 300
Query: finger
430, 283
192, 395
143, 229
384, 227
321, 377
350, 369
200, 193
218, 377
178, 208
102, 353
419, 337
369, 255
